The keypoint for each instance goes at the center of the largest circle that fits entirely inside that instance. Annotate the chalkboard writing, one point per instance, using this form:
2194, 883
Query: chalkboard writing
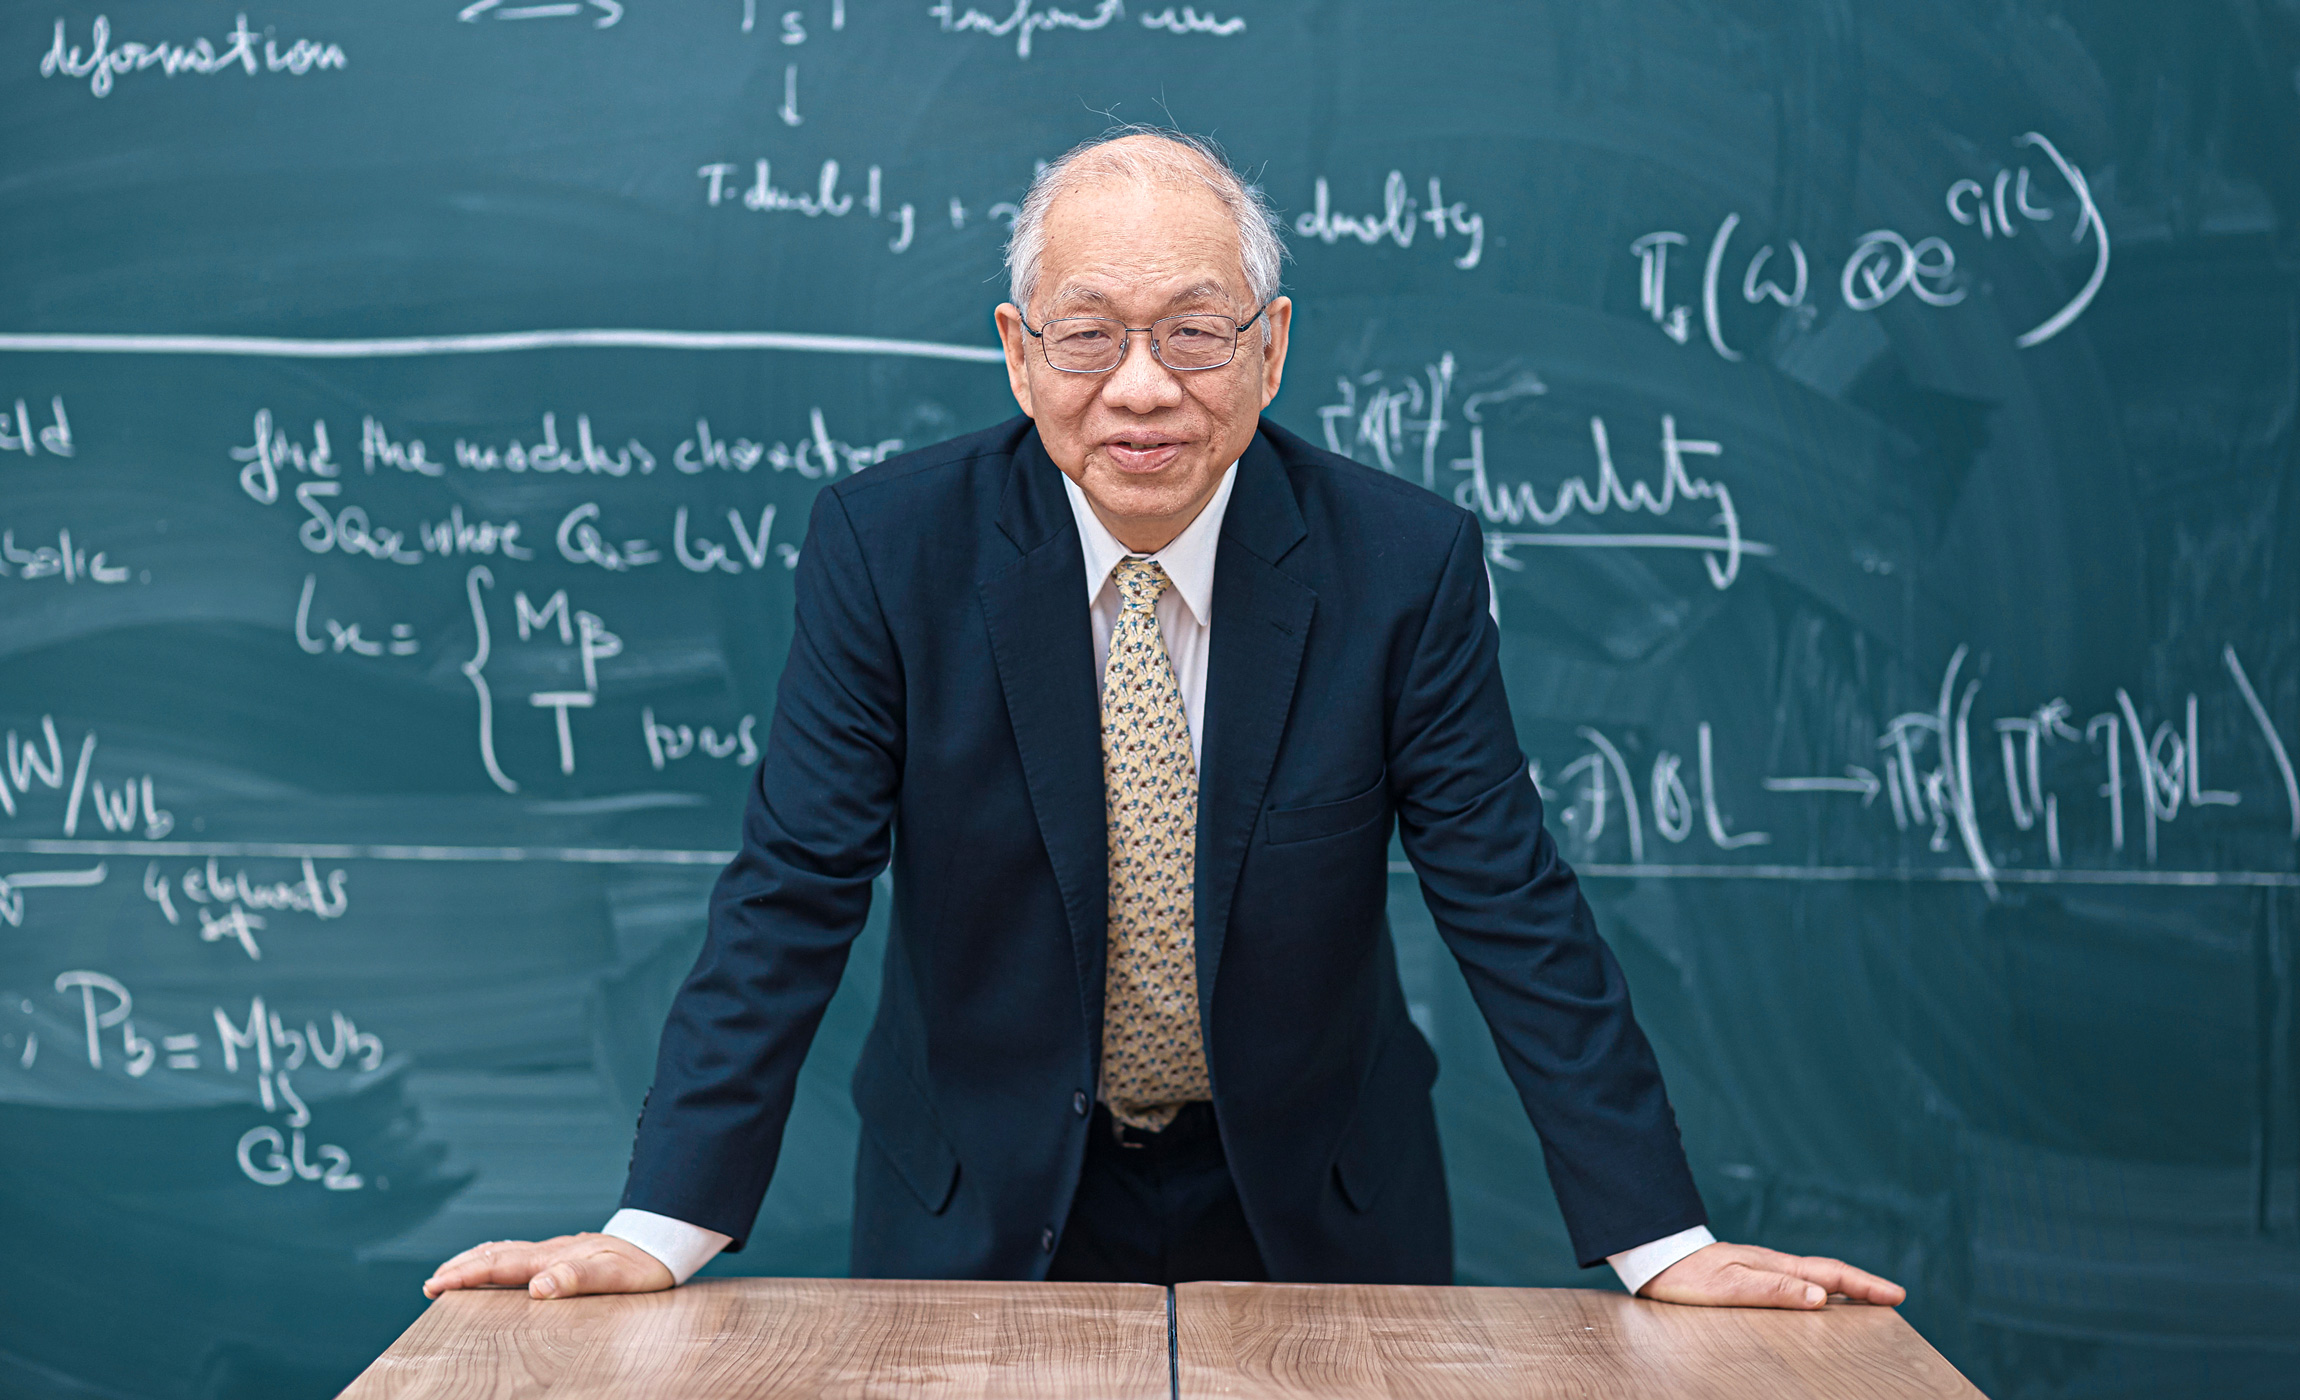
1880, 419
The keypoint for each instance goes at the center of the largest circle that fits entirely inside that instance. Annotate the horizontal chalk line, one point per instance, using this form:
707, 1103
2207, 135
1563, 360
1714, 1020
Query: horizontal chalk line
637, 855
1943, 875
391, 347
52, 879
298, 850
1706, 543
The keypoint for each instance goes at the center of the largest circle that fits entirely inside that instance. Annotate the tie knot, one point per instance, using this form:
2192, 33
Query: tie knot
1140, 581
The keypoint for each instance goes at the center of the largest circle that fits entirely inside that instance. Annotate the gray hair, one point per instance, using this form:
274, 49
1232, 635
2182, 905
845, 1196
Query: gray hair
1168, 158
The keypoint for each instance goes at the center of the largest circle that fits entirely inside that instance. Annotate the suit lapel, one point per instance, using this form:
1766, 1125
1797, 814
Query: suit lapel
1043, 645
1261, 622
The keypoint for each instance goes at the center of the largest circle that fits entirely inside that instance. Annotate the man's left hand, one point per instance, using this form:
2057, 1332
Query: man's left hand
1744, 1276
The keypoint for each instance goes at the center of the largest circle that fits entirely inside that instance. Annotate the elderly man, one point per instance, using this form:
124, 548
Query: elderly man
1133, 689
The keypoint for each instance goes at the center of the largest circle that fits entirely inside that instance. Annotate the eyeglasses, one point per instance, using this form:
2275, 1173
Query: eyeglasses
1096, 344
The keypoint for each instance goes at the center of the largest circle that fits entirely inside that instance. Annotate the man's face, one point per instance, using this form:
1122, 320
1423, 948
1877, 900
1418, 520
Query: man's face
1146, 443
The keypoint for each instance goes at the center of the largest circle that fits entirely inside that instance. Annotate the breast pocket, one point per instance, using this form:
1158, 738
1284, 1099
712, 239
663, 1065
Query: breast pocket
1284, 826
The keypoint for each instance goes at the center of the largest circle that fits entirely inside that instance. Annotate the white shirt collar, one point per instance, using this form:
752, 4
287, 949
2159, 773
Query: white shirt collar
1188, 558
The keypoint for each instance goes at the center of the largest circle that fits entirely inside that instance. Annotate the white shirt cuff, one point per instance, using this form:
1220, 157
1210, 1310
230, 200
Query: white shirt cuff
681, 1247
1637, 1267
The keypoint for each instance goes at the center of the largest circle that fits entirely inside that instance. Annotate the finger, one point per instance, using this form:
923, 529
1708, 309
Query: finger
503, 1264
600, 1271
1840, 1277
1770, 1288
1735, 1283
471, 1254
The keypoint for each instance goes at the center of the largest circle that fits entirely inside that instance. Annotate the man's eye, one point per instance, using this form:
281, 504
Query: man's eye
1087, 337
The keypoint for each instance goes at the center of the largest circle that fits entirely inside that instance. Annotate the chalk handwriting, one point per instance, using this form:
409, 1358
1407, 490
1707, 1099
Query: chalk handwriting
1942, 785
794, 28
595, 644
456, 536
270, 1046
350, 531
703, 555
19, 434
1398, 221
104, 61
1030, 18
273, 451
1607, 782
1401, 426
474, 670
13, 885
338, 637
1883, 263
1721, 553
816, 455
119, 808
63, 560
229, 906
762, 195
1027, 19
668, 743
546, 454
1182, 19
264, 1042
583, 631
581, 543
602, 13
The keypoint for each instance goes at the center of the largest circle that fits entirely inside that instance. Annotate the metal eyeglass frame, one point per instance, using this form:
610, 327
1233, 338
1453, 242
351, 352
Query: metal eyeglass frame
1127, 334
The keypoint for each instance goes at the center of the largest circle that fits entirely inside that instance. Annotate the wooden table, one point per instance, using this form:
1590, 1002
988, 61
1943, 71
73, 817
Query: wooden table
1279, 1341
767, 1338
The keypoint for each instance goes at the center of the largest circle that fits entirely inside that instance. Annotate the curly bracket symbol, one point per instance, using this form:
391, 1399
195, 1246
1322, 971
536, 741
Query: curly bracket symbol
475, 669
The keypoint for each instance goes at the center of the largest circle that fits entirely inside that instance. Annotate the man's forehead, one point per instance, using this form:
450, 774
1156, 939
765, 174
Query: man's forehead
1122, 238
1110, 291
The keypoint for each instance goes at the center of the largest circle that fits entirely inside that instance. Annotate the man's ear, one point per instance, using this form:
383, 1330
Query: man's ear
1280, 315
1016, 342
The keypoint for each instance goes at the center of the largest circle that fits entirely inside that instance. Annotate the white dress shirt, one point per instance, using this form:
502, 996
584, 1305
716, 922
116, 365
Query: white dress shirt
1185, 618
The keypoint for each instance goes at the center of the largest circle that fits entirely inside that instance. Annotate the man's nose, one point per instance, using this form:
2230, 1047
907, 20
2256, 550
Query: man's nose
1140, 384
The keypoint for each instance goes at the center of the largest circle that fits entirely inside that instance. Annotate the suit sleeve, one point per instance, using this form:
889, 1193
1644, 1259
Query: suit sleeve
786, 910
1514, 917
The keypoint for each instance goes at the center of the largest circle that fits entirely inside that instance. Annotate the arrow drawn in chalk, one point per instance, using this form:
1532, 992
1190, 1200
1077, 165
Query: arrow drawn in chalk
609, 11
1858, 779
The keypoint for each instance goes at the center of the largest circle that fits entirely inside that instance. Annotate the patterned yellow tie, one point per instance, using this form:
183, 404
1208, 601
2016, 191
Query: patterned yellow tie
1153, 1057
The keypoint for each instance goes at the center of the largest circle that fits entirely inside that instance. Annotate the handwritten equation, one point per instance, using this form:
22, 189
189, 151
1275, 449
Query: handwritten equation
1990, 804
36, 769
1883, 263
260, 1047
1401, 424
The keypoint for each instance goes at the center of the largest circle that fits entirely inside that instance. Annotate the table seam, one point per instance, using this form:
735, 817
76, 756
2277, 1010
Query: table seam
1173, 1351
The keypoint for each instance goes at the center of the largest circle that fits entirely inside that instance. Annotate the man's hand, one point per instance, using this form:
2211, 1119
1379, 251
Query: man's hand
1744, 1276
565, 1267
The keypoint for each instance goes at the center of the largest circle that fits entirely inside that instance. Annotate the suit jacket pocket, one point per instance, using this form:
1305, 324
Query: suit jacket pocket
1371, 1145
901, 1122
1286, 825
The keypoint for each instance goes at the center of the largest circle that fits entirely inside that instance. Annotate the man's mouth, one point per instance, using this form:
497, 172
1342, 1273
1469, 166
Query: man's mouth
1142, 452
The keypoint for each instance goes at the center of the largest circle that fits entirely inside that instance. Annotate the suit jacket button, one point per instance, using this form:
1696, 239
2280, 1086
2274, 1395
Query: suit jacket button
1079, 1104
1046, 1240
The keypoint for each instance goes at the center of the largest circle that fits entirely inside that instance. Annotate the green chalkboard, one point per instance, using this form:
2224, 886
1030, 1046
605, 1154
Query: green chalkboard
1881, 413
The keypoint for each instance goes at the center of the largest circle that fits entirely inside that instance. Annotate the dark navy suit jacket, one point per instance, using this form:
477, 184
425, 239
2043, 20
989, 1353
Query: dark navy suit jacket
940, 708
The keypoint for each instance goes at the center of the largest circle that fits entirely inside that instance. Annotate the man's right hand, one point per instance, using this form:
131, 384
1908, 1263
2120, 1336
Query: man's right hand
566, 1267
